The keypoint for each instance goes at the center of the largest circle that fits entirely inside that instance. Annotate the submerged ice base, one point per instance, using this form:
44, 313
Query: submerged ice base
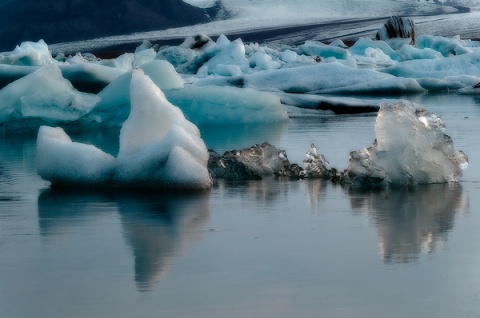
410, 148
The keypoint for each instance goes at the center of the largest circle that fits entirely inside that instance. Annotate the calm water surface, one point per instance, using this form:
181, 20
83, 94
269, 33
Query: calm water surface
272, 248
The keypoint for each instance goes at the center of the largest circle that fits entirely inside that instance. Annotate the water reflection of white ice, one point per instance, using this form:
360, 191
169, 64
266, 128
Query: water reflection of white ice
157, 226
159, 229
411, 221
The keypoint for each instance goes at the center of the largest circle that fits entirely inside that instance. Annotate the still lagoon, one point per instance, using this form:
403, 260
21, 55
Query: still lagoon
269, 248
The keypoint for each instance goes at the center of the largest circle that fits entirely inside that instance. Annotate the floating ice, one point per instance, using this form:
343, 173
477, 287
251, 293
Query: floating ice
370, 67
366, 47
90, 77
205, 105
249, 163
228, 105
316, 166
158, 148
63, 162
443, 73
114, 105
329, 78
46, 95
411, 148
29, 54
232, 54
313, 48
446, 46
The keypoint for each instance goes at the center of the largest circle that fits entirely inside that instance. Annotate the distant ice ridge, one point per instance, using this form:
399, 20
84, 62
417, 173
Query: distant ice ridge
225, 82
410, 148
158, 148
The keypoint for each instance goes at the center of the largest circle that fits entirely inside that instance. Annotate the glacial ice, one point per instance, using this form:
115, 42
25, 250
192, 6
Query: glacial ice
230, 82
205, 105
224, 68
249, 163
158, 148
29, 54
410, 148
46, 95
228, 105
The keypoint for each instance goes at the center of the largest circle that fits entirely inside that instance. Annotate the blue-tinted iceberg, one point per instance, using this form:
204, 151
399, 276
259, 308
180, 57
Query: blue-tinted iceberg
159, 148
44, 94
411, 148
200, 105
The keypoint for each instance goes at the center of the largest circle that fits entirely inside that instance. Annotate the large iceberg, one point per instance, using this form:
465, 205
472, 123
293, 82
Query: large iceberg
411, 148
158, 148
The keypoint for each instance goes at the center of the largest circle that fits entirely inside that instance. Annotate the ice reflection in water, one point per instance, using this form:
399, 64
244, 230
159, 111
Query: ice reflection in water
411, 221
157, 226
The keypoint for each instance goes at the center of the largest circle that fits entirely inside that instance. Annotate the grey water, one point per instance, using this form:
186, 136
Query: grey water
269, 248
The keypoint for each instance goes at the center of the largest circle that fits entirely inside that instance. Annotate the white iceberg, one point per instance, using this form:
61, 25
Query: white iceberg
159, 148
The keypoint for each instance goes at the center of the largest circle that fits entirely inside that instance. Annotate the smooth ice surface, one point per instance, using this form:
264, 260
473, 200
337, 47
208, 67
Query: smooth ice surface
158, 148
410, 148
326, 78
228, 105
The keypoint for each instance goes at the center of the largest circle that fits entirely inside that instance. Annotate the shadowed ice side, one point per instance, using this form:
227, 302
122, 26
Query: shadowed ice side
158, 148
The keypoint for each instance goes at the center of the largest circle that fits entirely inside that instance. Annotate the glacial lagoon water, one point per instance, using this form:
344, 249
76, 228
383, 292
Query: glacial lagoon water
270, 248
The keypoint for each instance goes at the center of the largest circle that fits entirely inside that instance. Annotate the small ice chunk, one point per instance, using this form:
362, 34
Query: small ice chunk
316, 166
249, 163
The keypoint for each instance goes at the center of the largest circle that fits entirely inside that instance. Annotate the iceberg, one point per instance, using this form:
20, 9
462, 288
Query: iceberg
159, 148
225, 82
45, 95
29, 54
200, 105
316, 166
228, 105
330, 78
410, 148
